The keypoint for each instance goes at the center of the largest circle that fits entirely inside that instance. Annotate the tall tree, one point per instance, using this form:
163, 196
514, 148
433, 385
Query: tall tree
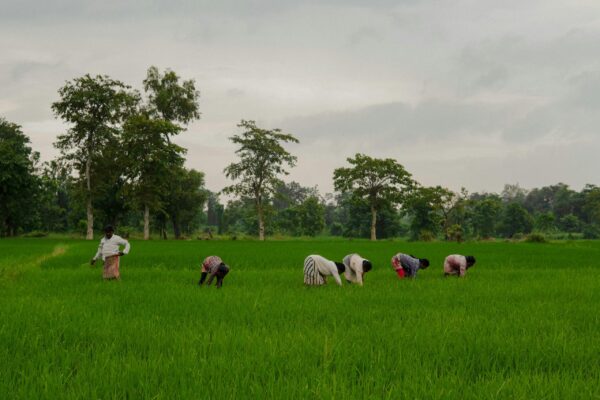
94, 107
379, 181
150, 160
170, 100
18, 182
262, 161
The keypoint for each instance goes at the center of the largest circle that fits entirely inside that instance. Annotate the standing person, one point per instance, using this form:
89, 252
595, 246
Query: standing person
408, 265
316, 268
356, 268
109, 250
456, 264
213, 266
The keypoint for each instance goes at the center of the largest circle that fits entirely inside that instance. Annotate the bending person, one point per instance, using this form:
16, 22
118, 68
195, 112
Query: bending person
110, 251
408, 265
456, 264
317, 268
356, 268
213, 266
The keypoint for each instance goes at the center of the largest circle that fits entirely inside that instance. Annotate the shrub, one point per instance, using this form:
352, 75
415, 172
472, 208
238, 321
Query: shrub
426, 236
591, 232
35, 234
536, 238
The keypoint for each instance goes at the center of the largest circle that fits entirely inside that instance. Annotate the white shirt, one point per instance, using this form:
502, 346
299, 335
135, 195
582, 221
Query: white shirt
110, 247
354, 268
327, 267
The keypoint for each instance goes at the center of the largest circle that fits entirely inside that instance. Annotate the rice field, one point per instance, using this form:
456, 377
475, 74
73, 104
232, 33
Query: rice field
524, 323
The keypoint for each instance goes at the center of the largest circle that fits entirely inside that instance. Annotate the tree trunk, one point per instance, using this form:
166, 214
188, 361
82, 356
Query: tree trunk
261, 223
373, 223
146, 222
176, 228
90, 220
90, 211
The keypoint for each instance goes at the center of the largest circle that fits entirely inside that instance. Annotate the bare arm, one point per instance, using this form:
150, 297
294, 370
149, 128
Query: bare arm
98, 253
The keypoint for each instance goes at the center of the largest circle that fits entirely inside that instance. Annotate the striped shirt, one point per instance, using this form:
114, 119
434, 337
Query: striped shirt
315, 264
354, 268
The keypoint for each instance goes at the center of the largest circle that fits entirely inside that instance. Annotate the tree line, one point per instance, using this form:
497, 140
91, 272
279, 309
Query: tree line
118, 165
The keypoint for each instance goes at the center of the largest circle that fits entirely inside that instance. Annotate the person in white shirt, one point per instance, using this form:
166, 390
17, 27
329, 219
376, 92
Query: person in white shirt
317, 268
356, 268
110, 251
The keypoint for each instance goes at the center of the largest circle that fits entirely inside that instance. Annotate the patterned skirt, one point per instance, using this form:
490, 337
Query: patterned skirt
311, 274
111, 268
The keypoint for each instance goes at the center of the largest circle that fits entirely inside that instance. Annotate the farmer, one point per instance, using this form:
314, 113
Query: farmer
456, 264
408, 265
316, 268
356, 268
213, 266
109, 250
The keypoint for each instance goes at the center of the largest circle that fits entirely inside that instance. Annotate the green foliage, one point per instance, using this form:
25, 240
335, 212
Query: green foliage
170, 100
536, 238
485, 213
94, 107
515, 220
262, 160
426, 208
18, 184
381, 182
570, 223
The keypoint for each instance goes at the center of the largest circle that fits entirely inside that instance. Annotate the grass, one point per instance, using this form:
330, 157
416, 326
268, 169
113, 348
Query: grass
524, 324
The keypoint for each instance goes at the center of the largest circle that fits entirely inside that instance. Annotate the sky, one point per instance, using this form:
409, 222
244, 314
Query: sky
465, 93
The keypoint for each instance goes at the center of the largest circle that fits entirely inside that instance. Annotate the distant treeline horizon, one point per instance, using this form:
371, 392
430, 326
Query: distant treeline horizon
119, 166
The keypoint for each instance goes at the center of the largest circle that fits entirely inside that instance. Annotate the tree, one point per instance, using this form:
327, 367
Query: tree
54, 202
214, 212
516, 220
426, 207
150, 160
513, 193
484, 215
95, 108
545, 222
169, 100
18, 182
262, 161
311, 216
379, 181
184, 199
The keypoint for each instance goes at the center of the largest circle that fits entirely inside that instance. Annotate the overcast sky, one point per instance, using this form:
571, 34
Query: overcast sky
473, 93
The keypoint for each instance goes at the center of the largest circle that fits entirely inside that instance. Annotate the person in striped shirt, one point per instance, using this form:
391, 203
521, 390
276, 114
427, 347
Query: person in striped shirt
458, 265
213, 266
356, 268
406, 266
317, 268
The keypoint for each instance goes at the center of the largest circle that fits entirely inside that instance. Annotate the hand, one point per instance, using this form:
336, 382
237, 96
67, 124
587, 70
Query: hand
121, 254
92, 261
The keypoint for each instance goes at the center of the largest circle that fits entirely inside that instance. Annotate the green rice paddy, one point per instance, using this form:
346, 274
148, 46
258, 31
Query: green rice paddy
523, 324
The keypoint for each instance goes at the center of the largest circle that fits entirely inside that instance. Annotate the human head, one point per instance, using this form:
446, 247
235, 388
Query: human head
108, 231
340, 267
470, 261
423, 263
367, 266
